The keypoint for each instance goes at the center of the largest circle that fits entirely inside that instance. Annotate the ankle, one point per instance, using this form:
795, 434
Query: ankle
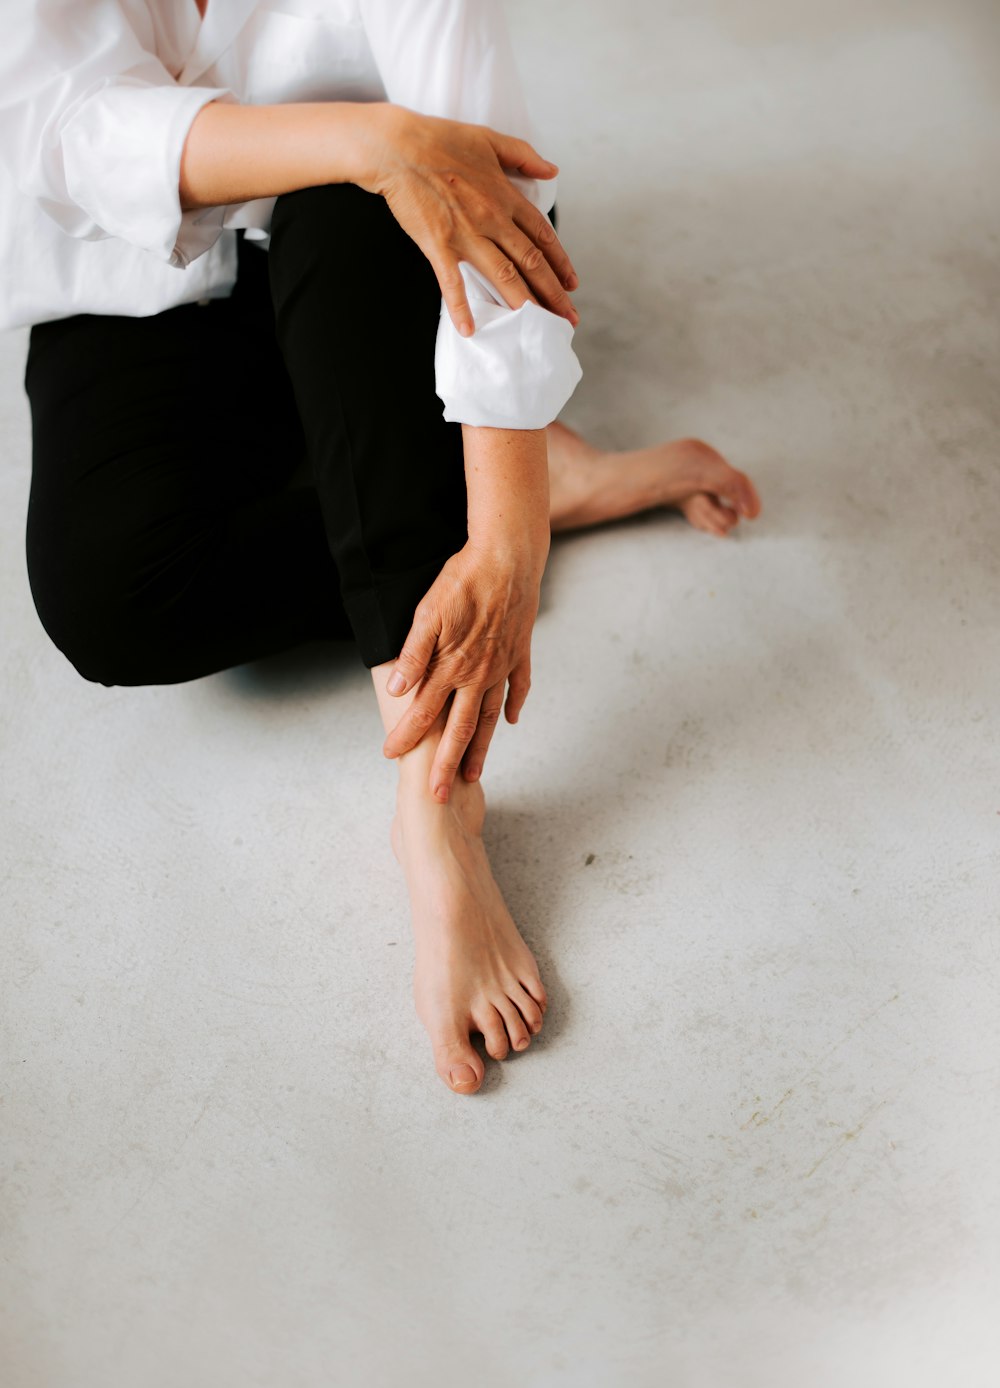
418, 810
567, 446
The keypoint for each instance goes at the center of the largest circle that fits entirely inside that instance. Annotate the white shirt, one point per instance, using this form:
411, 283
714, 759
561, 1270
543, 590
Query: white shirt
96, 100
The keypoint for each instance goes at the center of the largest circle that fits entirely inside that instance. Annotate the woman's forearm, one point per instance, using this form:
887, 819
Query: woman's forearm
236, 153
445, 183
471, 633
507, 480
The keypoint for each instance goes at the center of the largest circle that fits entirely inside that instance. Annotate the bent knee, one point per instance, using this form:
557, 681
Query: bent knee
100, 647
342, 226
97, 626
339, 206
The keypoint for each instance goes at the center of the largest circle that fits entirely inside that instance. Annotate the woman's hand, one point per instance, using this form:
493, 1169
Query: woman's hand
443, 179
445, 184
471, 631
471, 634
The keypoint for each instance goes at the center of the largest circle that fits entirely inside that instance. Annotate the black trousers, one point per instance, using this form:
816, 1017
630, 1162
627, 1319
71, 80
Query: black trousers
163, 539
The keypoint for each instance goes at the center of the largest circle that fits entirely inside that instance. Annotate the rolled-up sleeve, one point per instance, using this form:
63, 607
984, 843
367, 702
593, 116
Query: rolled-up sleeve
515, 372
453, 58
93, 128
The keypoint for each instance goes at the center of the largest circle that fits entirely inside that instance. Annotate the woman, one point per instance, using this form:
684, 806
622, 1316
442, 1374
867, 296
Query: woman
376, 151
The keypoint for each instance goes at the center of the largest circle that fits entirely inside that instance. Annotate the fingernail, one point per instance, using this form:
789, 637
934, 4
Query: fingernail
473, 773
572, 280
441, 793
465, 329
396, 683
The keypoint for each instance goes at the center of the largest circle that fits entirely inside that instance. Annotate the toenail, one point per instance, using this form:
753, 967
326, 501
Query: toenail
521, 1043
462, 1074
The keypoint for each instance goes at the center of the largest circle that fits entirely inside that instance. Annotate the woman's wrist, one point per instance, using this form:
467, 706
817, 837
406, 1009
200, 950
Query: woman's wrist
524, 556
362, 136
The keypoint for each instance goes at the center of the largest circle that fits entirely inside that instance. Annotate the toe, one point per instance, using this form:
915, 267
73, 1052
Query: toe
515, 1024
748, 496
527, 1007
534, 987
727, 516
742, 498
491, 1024
737, 489
457, 1062
705, 514
718, 476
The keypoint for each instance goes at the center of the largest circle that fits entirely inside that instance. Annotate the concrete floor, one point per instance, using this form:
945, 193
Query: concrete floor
749, 824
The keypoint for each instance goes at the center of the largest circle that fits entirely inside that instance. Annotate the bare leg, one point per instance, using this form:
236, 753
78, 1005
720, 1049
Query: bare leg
588, 486
474, 972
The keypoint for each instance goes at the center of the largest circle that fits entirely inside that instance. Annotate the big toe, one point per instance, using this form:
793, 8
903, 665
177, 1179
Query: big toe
457, 1063
724, 480
741, 493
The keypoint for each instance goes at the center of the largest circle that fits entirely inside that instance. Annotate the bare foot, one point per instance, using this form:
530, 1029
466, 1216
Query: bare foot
474, 972
588, 486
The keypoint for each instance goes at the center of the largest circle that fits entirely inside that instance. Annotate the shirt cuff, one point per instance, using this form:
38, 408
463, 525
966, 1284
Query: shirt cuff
122, 154
516, 371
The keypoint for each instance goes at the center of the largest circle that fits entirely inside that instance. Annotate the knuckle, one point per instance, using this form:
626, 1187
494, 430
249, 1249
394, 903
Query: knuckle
534, 259
464, 730
450, 280
422, 717
489, 717
506, 272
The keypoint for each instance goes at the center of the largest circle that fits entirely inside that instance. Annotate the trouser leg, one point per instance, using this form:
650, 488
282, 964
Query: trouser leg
356, 313
162, 541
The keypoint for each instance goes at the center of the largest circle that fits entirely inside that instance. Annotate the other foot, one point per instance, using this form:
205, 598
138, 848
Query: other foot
588, 486
474, 972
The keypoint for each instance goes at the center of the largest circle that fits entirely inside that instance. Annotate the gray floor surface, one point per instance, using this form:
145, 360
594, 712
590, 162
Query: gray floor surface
749, 823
